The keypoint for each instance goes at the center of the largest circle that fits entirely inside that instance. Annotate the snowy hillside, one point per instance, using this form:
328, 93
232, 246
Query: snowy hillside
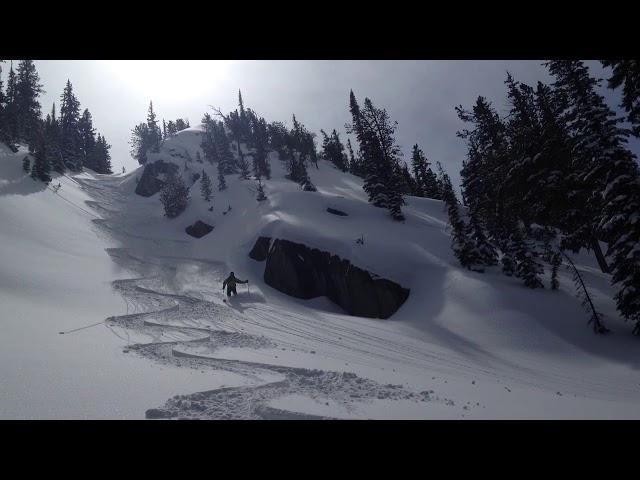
463, 345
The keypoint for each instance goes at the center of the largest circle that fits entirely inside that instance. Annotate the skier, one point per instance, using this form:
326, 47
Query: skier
230, 283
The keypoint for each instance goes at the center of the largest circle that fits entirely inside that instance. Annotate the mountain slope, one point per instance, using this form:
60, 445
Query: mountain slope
464, 345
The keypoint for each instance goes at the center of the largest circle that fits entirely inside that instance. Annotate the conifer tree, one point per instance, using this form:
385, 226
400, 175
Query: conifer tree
174, 196
461, 242
41, 168
139, 143
333, 150
52, 141
261, 197
383, 176
205, 186
87, 141
3, 101
260, 139
155, 135
223, 149
26, 164
626, 73
610, 181
102, 156
222, 184
27, 106
11, 109
70, 141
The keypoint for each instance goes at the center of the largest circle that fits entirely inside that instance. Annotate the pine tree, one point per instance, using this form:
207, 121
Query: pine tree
41, 168
26, 164
139, 142
485, 252
223, 149
300, 147
171, 128
205, 186
87, 141
103, 158
610, 179
70, 141
11, 110
3, 101
222, 184
155, 135
461, 243
527, 267
261, 197
52, 141
27, 106
174, 196
260, 139
383, 176
164, 129
426, 180
333, 150
626, 73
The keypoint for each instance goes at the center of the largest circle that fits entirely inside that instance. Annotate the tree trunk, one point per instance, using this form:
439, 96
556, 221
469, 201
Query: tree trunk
602, 262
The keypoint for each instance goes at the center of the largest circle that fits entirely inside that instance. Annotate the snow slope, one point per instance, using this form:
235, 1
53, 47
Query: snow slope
464, 345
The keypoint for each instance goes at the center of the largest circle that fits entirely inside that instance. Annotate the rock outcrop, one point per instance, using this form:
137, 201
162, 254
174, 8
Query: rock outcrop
260, 250
334, 211
304, 272
154, 176
199, 229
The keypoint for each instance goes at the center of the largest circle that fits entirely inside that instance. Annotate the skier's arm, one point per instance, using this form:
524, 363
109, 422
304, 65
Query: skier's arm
243, 281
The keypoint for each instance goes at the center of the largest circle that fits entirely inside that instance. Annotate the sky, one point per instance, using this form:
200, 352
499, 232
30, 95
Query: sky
420, 95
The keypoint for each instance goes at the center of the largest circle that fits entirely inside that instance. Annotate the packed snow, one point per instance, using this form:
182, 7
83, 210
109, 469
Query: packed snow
148, 335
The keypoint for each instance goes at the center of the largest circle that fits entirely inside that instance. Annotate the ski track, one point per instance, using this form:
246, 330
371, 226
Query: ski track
186, 330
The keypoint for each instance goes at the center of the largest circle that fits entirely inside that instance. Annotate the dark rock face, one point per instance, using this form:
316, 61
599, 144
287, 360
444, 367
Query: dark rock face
260, 249
303, 272
337, 212
154, 413
149, 183
198, 229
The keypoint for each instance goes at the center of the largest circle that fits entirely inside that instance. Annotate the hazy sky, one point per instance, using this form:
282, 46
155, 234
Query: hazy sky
420, 95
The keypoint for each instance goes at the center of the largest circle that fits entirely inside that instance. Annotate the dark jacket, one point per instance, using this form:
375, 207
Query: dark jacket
231, 281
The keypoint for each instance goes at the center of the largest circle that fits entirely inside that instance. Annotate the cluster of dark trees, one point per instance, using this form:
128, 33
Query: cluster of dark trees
248, 135
67, 141
554, 175
171, 127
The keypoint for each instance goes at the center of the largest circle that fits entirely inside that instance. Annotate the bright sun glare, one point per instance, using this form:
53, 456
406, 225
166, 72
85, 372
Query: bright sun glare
168, 80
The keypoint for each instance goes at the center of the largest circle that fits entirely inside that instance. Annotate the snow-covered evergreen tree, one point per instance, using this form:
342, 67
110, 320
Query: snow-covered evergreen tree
333, 150
426, 180
205, 186
87, 141
260, 141
374, 132
626, 73
610, 183
70, 141
41, 169
261, 197
174, 196
27, 106
222, 184
154, 133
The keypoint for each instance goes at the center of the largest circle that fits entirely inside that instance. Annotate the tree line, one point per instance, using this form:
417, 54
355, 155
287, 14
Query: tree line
66, 141
551, 176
